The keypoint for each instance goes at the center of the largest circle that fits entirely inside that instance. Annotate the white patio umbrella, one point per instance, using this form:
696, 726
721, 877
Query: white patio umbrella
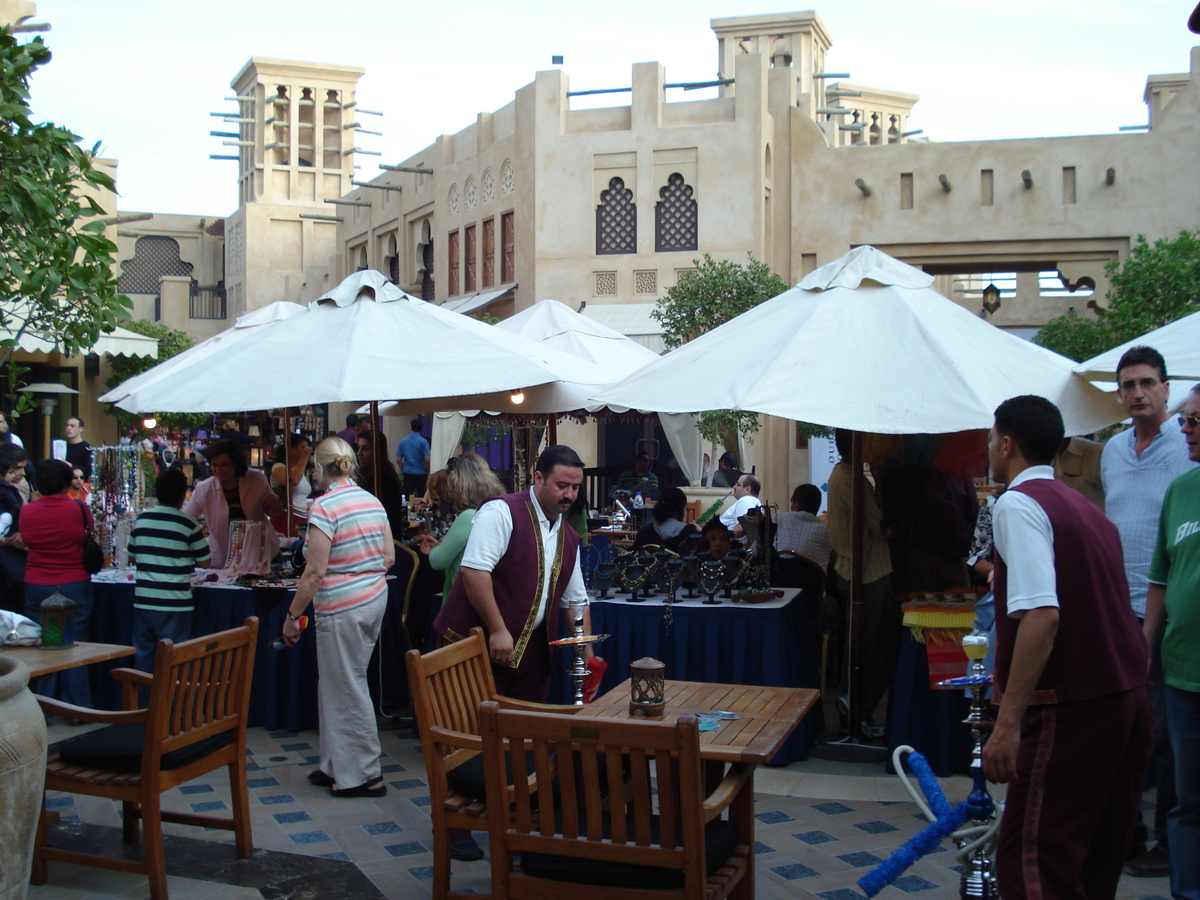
125, 395
364, 340
864, 343
1178, 342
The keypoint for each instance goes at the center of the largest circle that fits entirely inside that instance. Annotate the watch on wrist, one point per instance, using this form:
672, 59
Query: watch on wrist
293, 618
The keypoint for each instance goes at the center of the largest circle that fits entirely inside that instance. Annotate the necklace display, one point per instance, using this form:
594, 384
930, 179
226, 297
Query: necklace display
118, 494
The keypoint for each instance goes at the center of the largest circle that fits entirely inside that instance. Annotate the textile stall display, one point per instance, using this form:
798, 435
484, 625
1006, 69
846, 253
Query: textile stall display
118, 495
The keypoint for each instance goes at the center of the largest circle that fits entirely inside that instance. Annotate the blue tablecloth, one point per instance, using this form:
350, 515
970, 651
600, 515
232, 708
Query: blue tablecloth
930, 721
726, 644
284, 690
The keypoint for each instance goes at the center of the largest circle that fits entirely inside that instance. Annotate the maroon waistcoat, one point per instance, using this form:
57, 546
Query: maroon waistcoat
517, 579
1099, 649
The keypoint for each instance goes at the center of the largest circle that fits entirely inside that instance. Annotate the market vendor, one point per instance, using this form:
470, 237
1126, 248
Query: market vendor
233, 492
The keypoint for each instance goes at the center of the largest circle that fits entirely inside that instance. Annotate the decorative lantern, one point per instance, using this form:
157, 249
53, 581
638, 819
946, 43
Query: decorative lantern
58, 622
647, 688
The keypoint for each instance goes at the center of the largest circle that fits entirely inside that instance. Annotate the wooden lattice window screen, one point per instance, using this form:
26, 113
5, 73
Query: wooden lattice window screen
489, 252
508, 265
469, 263
453, 248
616, 220
675, 217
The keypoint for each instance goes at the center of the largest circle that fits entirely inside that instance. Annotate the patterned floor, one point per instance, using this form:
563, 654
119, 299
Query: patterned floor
821, 825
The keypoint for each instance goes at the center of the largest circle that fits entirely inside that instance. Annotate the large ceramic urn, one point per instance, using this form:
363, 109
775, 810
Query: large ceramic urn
22, 776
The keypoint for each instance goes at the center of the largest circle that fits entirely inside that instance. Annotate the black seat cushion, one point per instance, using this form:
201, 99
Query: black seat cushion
720, 840
467, 779
118, 748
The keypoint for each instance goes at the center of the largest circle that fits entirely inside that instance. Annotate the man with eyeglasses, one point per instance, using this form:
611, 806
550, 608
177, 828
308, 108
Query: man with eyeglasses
1173, 626
1136, 468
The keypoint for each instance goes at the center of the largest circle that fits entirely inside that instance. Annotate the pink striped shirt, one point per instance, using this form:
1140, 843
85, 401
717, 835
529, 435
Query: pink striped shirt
357, 528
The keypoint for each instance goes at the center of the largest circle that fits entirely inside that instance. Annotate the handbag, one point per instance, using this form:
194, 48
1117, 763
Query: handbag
18, 631
93, 556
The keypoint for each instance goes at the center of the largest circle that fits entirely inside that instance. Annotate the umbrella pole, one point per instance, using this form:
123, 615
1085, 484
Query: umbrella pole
552, 424
856, 588
376, 479
287, 468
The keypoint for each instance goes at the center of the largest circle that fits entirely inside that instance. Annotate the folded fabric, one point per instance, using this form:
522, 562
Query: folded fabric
596, 667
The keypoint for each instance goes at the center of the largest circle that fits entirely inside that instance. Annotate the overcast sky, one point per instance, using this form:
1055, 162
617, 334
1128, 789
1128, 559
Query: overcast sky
141, 76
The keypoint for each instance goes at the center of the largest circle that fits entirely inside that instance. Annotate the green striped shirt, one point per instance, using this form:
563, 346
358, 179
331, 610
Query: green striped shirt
166, 543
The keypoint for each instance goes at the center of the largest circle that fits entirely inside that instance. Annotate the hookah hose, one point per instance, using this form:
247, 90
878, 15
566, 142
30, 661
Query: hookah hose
944, 821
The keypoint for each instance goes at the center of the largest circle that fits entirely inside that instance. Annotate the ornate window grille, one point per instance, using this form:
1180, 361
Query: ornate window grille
453, 249
616, 220
675, 217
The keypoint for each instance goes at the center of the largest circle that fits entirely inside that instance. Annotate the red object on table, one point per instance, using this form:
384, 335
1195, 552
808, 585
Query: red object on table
943, 650
596, 667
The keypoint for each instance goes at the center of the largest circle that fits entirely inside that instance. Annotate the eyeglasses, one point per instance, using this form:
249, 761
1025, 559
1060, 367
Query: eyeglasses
1189, 421
1144, 383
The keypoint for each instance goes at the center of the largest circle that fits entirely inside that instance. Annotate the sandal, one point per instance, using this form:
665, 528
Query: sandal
379, 789
320, 779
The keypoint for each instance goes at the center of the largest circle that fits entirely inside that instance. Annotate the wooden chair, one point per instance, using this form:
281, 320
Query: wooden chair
691, 512
615, 845
195, 722
447, 687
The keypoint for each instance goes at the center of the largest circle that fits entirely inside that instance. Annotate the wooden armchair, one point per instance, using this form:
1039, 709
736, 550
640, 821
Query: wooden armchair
448, 685
195, 722
616, 845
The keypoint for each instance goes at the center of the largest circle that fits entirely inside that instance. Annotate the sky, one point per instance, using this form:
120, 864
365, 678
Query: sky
141, 76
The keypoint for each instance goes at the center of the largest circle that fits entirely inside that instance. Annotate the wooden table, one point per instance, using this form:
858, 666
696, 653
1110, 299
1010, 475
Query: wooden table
766, 715
46, 662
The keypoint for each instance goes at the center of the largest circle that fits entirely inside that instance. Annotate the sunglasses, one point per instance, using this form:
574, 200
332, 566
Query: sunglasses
1189, 421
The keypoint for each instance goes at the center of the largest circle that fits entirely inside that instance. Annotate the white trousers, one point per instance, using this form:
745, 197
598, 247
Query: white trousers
349, 737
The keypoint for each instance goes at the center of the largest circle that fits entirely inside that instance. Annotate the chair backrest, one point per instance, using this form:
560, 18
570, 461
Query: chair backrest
691, 512
447, 686
405, 569
566, 819
201, 689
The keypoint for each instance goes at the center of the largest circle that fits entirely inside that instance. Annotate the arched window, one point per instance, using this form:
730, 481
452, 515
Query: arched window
675, 217
153, 257
616, 220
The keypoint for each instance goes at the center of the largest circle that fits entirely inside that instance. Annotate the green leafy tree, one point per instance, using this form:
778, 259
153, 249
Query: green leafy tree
1157, 284
56, 265
171, 341
703, 298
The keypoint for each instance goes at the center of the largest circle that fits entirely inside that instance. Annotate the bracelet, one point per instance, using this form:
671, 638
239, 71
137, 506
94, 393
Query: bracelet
293, 618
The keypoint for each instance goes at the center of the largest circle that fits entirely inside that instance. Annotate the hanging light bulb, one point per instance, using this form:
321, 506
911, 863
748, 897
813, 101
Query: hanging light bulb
149, 423
518, 397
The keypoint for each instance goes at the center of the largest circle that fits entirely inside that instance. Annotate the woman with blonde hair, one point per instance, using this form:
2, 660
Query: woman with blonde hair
347, 552
470, 483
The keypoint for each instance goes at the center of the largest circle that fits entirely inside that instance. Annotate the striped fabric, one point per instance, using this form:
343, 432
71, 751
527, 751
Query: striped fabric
167, 543
357, 528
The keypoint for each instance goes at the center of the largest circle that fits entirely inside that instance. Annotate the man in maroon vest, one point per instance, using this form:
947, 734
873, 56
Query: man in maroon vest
1073, 732
521, 559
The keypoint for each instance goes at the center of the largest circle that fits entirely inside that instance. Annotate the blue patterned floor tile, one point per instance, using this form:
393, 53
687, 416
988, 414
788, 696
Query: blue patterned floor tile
409, 849
59, 802
269, 781
815, 837
832, 809
892, 802
760, 847
208, 806
861, 859
383, 828
295, 748
252, 766
290, 818
276, 798
875, 827
407, 784
794, 871
312, 760
339, 855
420, 801
393, 768
196, 789
309, 837
774, 817
840, 894
912, 884
421, 873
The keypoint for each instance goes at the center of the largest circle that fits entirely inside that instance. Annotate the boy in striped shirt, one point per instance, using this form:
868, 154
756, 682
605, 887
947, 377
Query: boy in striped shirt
168, 544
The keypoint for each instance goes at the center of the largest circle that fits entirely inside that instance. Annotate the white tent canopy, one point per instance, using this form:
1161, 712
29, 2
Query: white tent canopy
864, 343
1178, 342
118, 342
363, 340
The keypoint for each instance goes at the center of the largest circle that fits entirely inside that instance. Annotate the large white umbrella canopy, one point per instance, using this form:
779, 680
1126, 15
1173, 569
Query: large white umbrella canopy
364, 340
864, 343
125, 395
553, 325
1178, 342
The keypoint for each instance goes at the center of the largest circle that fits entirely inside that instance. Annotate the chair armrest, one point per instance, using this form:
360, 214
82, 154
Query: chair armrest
133, 676
456, 738
567, 709
102, 717
725, 793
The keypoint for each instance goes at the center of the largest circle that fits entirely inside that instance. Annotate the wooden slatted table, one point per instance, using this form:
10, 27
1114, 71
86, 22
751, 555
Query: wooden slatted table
46, 662
766, 715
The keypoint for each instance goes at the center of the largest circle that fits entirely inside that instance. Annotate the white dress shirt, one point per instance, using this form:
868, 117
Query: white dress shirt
491, 531
1024, 539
